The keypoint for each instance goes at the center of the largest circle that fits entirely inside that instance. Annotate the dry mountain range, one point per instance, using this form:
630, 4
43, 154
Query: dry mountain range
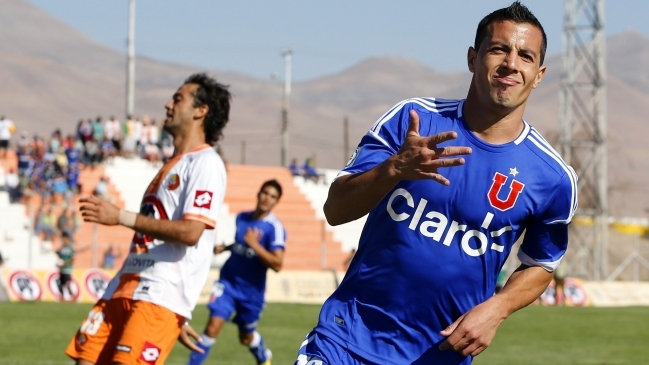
51, 75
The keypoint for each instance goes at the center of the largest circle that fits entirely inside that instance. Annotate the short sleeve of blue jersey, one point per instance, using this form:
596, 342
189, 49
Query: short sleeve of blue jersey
277, 239
382, 141
546, 235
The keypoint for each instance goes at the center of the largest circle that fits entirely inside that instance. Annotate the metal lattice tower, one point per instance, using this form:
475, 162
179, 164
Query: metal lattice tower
582, 118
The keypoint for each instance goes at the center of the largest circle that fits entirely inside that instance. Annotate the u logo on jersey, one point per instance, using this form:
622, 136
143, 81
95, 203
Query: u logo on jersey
515, 189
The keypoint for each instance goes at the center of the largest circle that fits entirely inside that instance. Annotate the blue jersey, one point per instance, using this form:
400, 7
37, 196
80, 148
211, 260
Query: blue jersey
244, 270
73, 156
429, 253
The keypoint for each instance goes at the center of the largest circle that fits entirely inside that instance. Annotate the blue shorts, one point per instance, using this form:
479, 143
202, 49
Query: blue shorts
225, 302
320, 350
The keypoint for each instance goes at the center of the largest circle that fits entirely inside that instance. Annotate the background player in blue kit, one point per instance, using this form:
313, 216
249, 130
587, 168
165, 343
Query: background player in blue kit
259, 244
420, 289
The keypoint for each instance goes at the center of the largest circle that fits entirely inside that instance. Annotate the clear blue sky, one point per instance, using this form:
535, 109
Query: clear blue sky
327, 36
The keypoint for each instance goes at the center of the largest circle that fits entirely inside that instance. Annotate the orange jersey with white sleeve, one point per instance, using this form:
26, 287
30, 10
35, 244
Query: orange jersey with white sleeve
189, 186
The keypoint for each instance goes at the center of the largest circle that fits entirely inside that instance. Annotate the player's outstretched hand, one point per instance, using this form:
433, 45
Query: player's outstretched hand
473, 332
419, 157
97, 210
186, 331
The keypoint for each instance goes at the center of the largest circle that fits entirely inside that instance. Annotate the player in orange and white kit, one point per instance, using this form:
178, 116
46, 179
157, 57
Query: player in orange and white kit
140, 315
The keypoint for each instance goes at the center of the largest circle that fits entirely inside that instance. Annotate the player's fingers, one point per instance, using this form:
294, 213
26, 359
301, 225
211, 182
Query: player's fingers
88, 208
192, 333
184, 339
85, 199
478, 351
446, 332
436, 177
453, 151
438, 138
413, 127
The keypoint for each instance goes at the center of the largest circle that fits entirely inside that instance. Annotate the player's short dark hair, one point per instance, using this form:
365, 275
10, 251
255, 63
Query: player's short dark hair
517, 13
217, 98
272, 183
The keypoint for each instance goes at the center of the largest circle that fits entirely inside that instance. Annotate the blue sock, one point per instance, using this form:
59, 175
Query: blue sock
204, 343
258, 348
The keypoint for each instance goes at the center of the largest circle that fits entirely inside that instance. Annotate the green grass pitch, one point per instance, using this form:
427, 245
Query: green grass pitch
37, 333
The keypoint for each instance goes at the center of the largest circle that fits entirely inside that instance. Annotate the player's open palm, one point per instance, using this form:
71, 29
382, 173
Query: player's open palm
98, 210
420, 157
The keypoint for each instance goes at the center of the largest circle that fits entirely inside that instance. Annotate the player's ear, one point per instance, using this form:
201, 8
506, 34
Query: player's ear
471, 55
539, 77
201, 111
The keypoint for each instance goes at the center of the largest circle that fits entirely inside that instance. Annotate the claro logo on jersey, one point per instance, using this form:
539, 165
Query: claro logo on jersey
474, 242
515, 189
203, 199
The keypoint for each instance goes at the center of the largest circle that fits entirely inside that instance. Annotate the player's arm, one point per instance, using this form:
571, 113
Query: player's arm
353, 196
473, 332
272, 259
98, 210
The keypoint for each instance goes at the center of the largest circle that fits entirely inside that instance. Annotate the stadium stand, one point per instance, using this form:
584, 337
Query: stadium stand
312, 243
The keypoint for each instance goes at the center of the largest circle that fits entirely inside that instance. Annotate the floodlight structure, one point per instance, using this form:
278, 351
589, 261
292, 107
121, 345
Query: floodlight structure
582, 137
130, 61
286, 53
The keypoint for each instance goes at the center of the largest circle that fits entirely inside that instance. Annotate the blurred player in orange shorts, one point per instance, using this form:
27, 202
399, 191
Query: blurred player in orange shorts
140, 315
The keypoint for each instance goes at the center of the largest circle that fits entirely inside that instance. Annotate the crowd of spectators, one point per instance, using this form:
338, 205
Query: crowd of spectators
49, 166
307, 170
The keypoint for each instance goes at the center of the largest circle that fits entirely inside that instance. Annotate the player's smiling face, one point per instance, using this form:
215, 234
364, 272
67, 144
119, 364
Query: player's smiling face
180, 109
507, 66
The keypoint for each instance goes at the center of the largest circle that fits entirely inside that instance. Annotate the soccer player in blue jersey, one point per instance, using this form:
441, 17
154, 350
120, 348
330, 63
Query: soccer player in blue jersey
449, 186
259, 244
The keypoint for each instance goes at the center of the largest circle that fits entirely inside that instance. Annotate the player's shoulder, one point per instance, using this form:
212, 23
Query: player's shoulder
434, 107
273, 220
204, 155
549, 158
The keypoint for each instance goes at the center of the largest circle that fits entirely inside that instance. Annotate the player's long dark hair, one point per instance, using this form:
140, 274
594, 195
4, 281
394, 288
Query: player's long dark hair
217, 98
517, 13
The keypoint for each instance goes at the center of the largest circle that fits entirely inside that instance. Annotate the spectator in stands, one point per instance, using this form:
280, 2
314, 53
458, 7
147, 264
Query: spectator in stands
67, 222
154, 133
167, 150
152, 153
113, 132
72, 178
144, 136
66, 260
501, 280
92, 154
7, 128
108, 150
109, 258
45, 224
85, 130
310, 172
295, 169
61, 161
23, 140
560, 275
59, 189
55, 141
12, 185
24, 160
2, 261
101, 190
98, 129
